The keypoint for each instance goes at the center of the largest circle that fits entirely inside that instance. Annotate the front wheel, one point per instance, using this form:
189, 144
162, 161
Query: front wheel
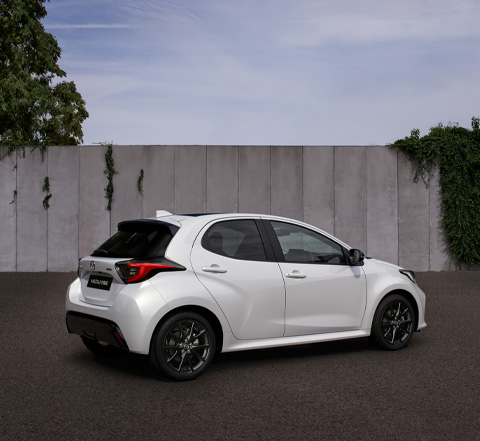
393, 323
183, 346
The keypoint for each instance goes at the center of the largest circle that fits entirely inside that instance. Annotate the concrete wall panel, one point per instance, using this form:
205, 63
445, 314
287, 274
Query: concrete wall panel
318, 187
8, 213
382, 204
441, 258
414, 219
127, 200
222, 179
364, 195
63, 171
254, 179
93, 217
351, 196
31, 217
159, 179
287, 182
190, 179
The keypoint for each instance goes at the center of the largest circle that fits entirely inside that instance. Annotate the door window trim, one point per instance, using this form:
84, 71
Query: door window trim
272, 236
267, 245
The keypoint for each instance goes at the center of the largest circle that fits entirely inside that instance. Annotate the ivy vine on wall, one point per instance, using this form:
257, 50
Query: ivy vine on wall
455, 151
14, 200
46, 189
109, 171
140, 182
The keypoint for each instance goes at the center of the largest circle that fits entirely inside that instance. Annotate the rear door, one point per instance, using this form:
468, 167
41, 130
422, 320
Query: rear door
239, 270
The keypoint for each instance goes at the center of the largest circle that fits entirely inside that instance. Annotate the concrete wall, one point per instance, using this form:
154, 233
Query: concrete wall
366, 196
62, 216
8, 213
32, 228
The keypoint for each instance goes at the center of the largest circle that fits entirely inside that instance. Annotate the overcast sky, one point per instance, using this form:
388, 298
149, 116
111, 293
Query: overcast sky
269, 72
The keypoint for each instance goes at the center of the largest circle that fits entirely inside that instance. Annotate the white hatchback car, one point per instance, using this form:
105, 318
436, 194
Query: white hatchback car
182, 288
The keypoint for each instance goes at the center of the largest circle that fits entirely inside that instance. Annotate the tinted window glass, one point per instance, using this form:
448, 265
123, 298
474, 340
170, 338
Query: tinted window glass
238, 239
138, 240
301, 245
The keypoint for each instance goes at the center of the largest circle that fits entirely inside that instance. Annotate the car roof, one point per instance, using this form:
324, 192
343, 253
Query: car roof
197, 221
204, 218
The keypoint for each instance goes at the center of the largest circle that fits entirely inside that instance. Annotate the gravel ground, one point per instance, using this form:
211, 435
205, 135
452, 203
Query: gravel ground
53, 388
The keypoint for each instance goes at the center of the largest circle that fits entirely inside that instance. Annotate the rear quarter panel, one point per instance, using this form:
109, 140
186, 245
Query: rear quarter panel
181, 289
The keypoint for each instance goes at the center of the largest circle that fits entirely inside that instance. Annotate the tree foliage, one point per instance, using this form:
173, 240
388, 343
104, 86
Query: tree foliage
456, 152
36, 108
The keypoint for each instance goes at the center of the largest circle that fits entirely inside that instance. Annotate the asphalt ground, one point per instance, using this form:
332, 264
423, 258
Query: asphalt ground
53, 388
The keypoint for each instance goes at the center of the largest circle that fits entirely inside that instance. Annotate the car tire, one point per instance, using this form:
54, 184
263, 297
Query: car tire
102, 350
183, 346
393, 323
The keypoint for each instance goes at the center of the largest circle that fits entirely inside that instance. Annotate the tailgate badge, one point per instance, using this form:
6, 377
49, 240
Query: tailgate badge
92, 265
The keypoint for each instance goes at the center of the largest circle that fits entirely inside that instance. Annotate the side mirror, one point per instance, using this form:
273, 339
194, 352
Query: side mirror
356, 257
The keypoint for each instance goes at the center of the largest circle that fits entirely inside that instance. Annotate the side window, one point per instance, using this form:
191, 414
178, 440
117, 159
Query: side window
301, 245
238, 239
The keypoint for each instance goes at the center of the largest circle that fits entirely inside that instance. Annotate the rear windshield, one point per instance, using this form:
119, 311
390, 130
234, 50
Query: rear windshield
138, 239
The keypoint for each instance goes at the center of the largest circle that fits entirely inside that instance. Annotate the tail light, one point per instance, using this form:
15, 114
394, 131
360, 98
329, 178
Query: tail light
132, 271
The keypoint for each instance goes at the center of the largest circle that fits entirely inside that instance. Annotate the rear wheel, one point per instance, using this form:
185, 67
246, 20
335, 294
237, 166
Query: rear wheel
393, 323
102, 349
183, 346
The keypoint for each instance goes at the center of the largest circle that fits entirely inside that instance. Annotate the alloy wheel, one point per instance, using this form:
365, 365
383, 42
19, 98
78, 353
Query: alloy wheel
397, 323
186, 346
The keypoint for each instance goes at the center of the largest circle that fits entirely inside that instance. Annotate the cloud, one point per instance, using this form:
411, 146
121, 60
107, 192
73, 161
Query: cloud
152, 10
89, 26
269, 72
373, 21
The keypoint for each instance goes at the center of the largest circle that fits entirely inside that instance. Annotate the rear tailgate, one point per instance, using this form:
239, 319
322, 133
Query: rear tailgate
100, 280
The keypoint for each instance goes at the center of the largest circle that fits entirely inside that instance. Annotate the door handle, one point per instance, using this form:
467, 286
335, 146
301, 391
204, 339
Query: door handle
295, 275
213, 269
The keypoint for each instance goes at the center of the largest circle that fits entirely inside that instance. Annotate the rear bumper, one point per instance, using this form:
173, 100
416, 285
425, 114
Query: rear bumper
135, 313
95, 328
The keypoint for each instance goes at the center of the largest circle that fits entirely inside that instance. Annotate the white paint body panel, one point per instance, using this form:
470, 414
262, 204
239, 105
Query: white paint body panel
382, 279
255, 304
330, 298
251, 294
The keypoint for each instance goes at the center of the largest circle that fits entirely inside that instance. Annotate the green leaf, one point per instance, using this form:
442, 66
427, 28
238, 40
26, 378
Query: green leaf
33, 111
455, 151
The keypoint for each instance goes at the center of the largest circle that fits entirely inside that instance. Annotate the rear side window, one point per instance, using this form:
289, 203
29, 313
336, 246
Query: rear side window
137, 239
238, 239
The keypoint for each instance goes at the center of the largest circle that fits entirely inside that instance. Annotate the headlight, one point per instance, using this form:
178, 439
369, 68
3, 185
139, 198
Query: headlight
410, 274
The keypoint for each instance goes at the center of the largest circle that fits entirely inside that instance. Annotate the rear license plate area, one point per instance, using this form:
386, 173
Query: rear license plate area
99, 282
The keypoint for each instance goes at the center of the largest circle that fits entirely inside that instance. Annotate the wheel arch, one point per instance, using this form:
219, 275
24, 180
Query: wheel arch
204, 312
408, 296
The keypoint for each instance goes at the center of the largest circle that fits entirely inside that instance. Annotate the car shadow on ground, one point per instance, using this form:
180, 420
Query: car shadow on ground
138, 365
128, 363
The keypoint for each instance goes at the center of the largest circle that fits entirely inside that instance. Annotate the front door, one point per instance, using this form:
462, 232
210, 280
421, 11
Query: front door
323, 293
